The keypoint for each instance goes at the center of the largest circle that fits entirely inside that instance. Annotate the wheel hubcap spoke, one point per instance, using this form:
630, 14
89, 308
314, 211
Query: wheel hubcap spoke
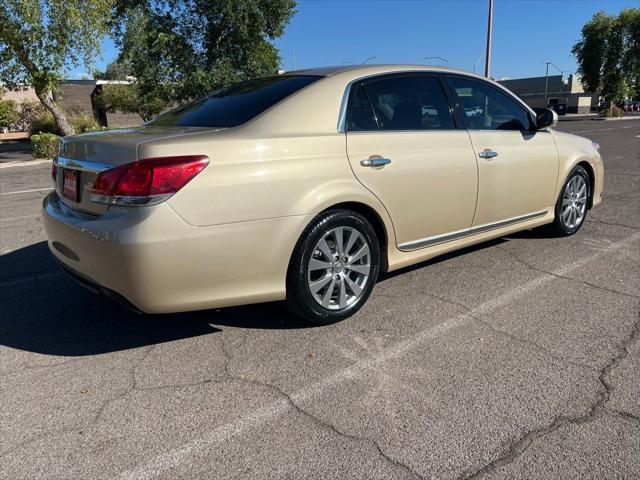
336, 278
574, 202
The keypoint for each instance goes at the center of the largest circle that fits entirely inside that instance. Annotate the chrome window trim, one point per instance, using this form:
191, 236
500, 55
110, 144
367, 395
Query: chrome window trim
82, 165
467, 232
342, 117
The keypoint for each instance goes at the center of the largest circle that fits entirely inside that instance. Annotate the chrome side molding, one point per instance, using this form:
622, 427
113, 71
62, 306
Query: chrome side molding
448, 237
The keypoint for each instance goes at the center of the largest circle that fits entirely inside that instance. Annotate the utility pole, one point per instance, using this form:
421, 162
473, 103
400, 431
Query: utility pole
546, 84
293, 57
487, 63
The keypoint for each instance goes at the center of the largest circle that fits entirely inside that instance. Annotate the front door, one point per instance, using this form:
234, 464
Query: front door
517, 165
404, 146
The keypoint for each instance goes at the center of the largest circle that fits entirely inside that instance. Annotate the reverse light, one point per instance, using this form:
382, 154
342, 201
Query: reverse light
147, 182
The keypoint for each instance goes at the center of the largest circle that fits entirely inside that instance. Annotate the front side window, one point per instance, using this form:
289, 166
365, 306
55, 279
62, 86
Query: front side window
236, 104
487, 108
411, 102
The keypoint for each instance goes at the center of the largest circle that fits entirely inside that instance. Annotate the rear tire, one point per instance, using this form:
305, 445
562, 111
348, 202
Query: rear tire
571, 206
333, 268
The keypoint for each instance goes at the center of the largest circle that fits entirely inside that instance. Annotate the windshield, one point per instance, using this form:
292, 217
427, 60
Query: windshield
236, 104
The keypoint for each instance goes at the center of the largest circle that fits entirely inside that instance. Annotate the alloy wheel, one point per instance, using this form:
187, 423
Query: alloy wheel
574, 202
339, 268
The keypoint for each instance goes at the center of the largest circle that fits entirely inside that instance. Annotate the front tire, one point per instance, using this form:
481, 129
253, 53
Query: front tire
333, 268
571, 206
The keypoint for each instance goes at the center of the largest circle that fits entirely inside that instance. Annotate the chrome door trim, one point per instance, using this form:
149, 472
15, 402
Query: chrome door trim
448, 237
82, 165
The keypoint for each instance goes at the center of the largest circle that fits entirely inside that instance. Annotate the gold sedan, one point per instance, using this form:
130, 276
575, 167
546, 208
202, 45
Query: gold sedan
304, 186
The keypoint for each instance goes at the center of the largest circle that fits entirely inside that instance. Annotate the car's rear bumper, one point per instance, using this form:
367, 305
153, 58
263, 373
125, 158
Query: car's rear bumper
152, 259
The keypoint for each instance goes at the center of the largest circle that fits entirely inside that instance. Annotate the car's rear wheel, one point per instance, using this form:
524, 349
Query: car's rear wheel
333, 268
571, 206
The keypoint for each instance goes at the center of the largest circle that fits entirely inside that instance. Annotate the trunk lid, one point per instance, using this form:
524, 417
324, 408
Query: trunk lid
82, 157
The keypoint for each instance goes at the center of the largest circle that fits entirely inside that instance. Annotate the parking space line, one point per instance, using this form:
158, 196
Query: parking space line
17, 192
185, 453
18, 218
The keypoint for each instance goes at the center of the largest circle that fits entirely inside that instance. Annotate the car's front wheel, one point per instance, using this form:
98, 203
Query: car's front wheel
571, 206
333, 268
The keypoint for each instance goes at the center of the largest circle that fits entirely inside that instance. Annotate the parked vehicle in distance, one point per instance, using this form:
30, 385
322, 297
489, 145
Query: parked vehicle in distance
304, 186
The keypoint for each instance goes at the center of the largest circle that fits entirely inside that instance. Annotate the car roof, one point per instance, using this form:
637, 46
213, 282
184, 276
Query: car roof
373, 69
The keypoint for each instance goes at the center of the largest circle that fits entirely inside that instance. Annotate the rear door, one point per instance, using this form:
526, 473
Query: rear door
404, 145
517, 165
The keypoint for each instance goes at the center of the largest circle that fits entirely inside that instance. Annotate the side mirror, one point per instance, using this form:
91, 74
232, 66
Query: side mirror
545, 117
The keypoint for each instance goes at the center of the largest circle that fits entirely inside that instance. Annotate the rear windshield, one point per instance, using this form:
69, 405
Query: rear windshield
236, 104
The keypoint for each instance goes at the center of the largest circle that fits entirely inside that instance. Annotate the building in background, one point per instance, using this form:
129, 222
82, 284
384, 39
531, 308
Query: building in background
79, 97
561, 90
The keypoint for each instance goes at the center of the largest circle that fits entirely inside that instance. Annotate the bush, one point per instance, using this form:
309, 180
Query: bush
83, 122
27, 111
614, 111
8, 113
45, 145
43, 122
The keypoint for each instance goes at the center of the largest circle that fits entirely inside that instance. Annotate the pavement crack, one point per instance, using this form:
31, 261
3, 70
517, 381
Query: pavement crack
593, 220
515, 338
595, 410
564, 277
314, 418
132, 387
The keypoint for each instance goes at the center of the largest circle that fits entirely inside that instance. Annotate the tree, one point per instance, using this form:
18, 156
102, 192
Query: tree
40, 39
116, 70
126, 98
608, 54
179, 50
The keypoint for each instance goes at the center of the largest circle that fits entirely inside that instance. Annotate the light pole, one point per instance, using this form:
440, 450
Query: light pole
487, 62
476, 64
546, 79
439, 58
367, 59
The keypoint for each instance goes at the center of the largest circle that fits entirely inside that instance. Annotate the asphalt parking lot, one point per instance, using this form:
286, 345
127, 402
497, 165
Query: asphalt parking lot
518, 358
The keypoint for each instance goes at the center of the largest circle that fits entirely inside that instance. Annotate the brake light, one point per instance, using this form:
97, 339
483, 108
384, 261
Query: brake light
148, 181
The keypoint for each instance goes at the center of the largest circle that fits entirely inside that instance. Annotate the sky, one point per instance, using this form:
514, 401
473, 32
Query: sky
526, 33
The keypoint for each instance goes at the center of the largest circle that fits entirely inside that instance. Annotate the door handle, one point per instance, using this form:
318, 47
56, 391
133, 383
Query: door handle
488, 154
375, 162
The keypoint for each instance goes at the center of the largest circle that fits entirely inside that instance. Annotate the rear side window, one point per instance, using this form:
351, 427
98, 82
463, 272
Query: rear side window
360, 114
487, 108
412, 102
236, 104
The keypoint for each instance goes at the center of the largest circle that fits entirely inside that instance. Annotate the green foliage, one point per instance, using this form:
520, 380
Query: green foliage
43, 122
8, 113
116, 70
83, 122
612, 111
40, 39
27, 113
179, 50
608, 54
45, 145
127, 99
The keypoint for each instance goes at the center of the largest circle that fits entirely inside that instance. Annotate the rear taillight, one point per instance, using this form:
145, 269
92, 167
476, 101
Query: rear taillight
146, 182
